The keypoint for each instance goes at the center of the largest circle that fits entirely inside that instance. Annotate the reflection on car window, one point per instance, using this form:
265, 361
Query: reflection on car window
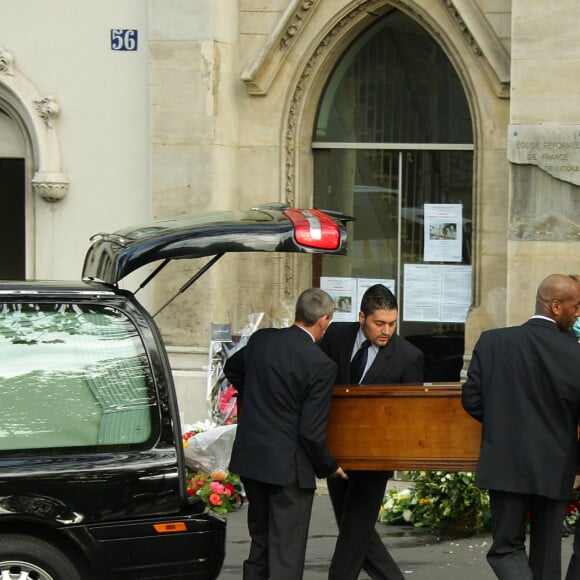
72, 375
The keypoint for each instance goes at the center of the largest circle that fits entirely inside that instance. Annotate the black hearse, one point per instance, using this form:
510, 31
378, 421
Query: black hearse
92, 476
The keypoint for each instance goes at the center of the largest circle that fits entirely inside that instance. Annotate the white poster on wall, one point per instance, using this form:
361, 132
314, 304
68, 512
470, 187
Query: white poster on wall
436, 293
343, 292
443, 239
363, 284
347, 294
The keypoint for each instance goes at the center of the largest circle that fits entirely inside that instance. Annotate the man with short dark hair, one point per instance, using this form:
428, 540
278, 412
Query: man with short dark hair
367, 352
285, 384
523, 384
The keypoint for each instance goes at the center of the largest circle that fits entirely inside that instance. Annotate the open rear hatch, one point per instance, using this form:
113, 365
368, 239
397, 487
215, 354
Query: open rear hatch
266, 228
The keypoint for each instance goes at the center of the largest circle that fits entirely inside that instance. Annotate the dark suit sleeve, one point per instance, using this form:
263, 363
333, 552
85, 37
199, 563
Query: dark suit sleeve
312, 430
235, 369
471, 394
413, 372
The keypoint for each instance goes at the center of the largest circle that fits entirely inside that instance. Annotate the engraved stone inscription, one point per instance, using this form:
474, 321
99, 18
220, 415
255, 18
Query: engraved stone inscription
553, 148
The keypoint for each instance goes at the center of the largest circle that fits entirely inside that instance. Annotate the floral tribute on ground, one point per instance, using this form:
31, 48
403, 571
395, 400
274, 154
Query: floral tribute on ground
448, 503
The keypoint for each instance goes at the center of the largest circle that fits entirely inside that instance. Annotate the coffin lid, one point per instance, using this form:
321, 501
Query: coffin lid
273, 227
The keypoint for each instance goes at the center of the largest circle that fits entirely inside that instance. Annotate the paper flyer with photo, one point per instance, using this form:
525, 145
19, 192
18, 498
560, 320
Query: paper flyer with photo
443, 240
343, 292
348, 292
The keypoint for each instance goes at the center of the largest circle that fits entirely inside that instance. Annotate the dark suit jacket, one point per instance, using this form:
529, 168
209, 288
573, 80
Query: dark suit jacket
523, 383
397, 362
285, 383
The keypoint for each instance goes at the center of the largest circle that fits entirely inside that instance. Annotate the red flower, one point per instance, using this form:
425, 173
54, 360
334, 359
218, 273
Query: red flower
227, 403
215, 499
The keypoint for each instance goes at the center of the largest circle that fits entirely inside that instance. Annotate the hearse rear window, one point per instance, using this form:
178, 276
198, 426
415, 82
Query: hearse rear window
72, 375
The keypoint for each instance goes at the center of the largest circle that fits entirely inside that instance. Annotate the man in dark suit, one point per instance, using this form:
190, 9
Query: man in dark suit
285, 385
573, 571
523, 384
386, 359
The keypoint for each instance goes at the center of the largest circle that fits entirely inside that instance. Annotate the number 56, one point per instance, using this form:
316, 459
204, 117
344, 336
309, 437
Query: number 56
123, 39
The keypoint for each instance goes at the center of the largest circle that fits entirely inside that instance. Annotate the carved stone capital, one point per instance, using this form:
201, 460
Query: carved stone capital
50, 186
6, 62
36, 113
48, 109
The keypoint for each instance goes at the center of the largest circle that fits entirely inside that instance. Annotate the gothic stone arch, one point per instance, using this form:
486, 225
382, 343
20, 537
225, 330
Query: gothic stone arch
482, 64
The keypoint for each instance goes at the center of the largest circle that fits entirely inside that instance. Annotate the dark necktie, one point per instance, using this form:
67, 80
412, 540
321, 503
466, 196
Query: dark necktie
358, 363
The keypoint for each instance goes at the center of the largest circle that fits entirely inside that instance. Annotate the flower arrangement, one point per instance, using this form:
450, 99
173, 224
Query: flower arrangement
446, 502
221, 492
186, 437
458, 506
195, 428
228, 405
450, 503
404, 507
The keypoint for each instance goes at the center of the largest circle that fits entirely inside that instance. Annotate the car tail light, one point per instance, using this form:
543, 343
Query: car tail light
170, 528
314, 229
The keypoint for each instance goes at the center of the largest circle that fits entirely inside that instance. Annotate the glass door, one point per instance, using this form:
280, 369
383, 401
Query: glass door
387, 191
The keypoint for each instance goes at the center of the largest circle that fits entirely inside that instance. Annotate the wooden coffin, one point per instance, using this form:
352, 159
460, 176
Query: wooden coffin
402, 427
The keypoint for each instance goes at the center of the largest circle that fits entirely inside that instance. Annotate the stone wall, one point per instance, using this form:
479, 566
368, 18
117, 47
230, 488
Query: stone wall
544, 149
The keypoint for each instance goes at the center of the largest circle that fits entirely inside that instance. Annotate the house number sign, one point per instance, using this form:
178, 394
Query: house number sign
124, 39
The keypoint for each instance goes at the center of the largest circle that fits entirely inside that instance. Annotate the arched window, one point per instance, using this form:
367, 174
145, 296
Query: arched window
393, 146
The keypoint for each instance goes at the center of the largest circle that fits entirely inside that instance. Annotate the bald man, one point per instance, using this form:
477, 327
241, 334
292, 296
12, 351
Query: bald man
523, 384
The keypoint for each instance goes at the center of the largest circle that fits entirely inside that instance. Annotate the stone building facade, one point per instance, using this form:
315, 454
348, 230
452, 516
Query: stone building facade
372, 107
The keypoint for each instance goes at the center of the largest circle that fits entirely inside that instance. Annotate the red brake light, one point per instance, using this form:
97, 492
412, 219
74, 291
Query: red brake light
314, 229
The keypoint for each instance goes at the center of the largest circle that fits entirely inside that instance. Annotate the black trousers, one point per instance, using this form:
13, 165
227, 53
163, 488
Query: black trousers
573, 572
507, 555
356, 503
278, 522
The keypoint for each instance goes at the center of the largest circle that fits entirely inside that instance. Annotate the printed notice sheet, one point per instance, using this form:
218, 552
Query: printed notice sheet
348, 292
362, 284
443, 232
436, 293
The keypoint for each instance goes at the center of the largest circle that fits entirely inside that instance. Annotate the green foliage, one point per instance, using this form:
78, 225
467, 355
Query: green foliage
404, 507
446, 502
